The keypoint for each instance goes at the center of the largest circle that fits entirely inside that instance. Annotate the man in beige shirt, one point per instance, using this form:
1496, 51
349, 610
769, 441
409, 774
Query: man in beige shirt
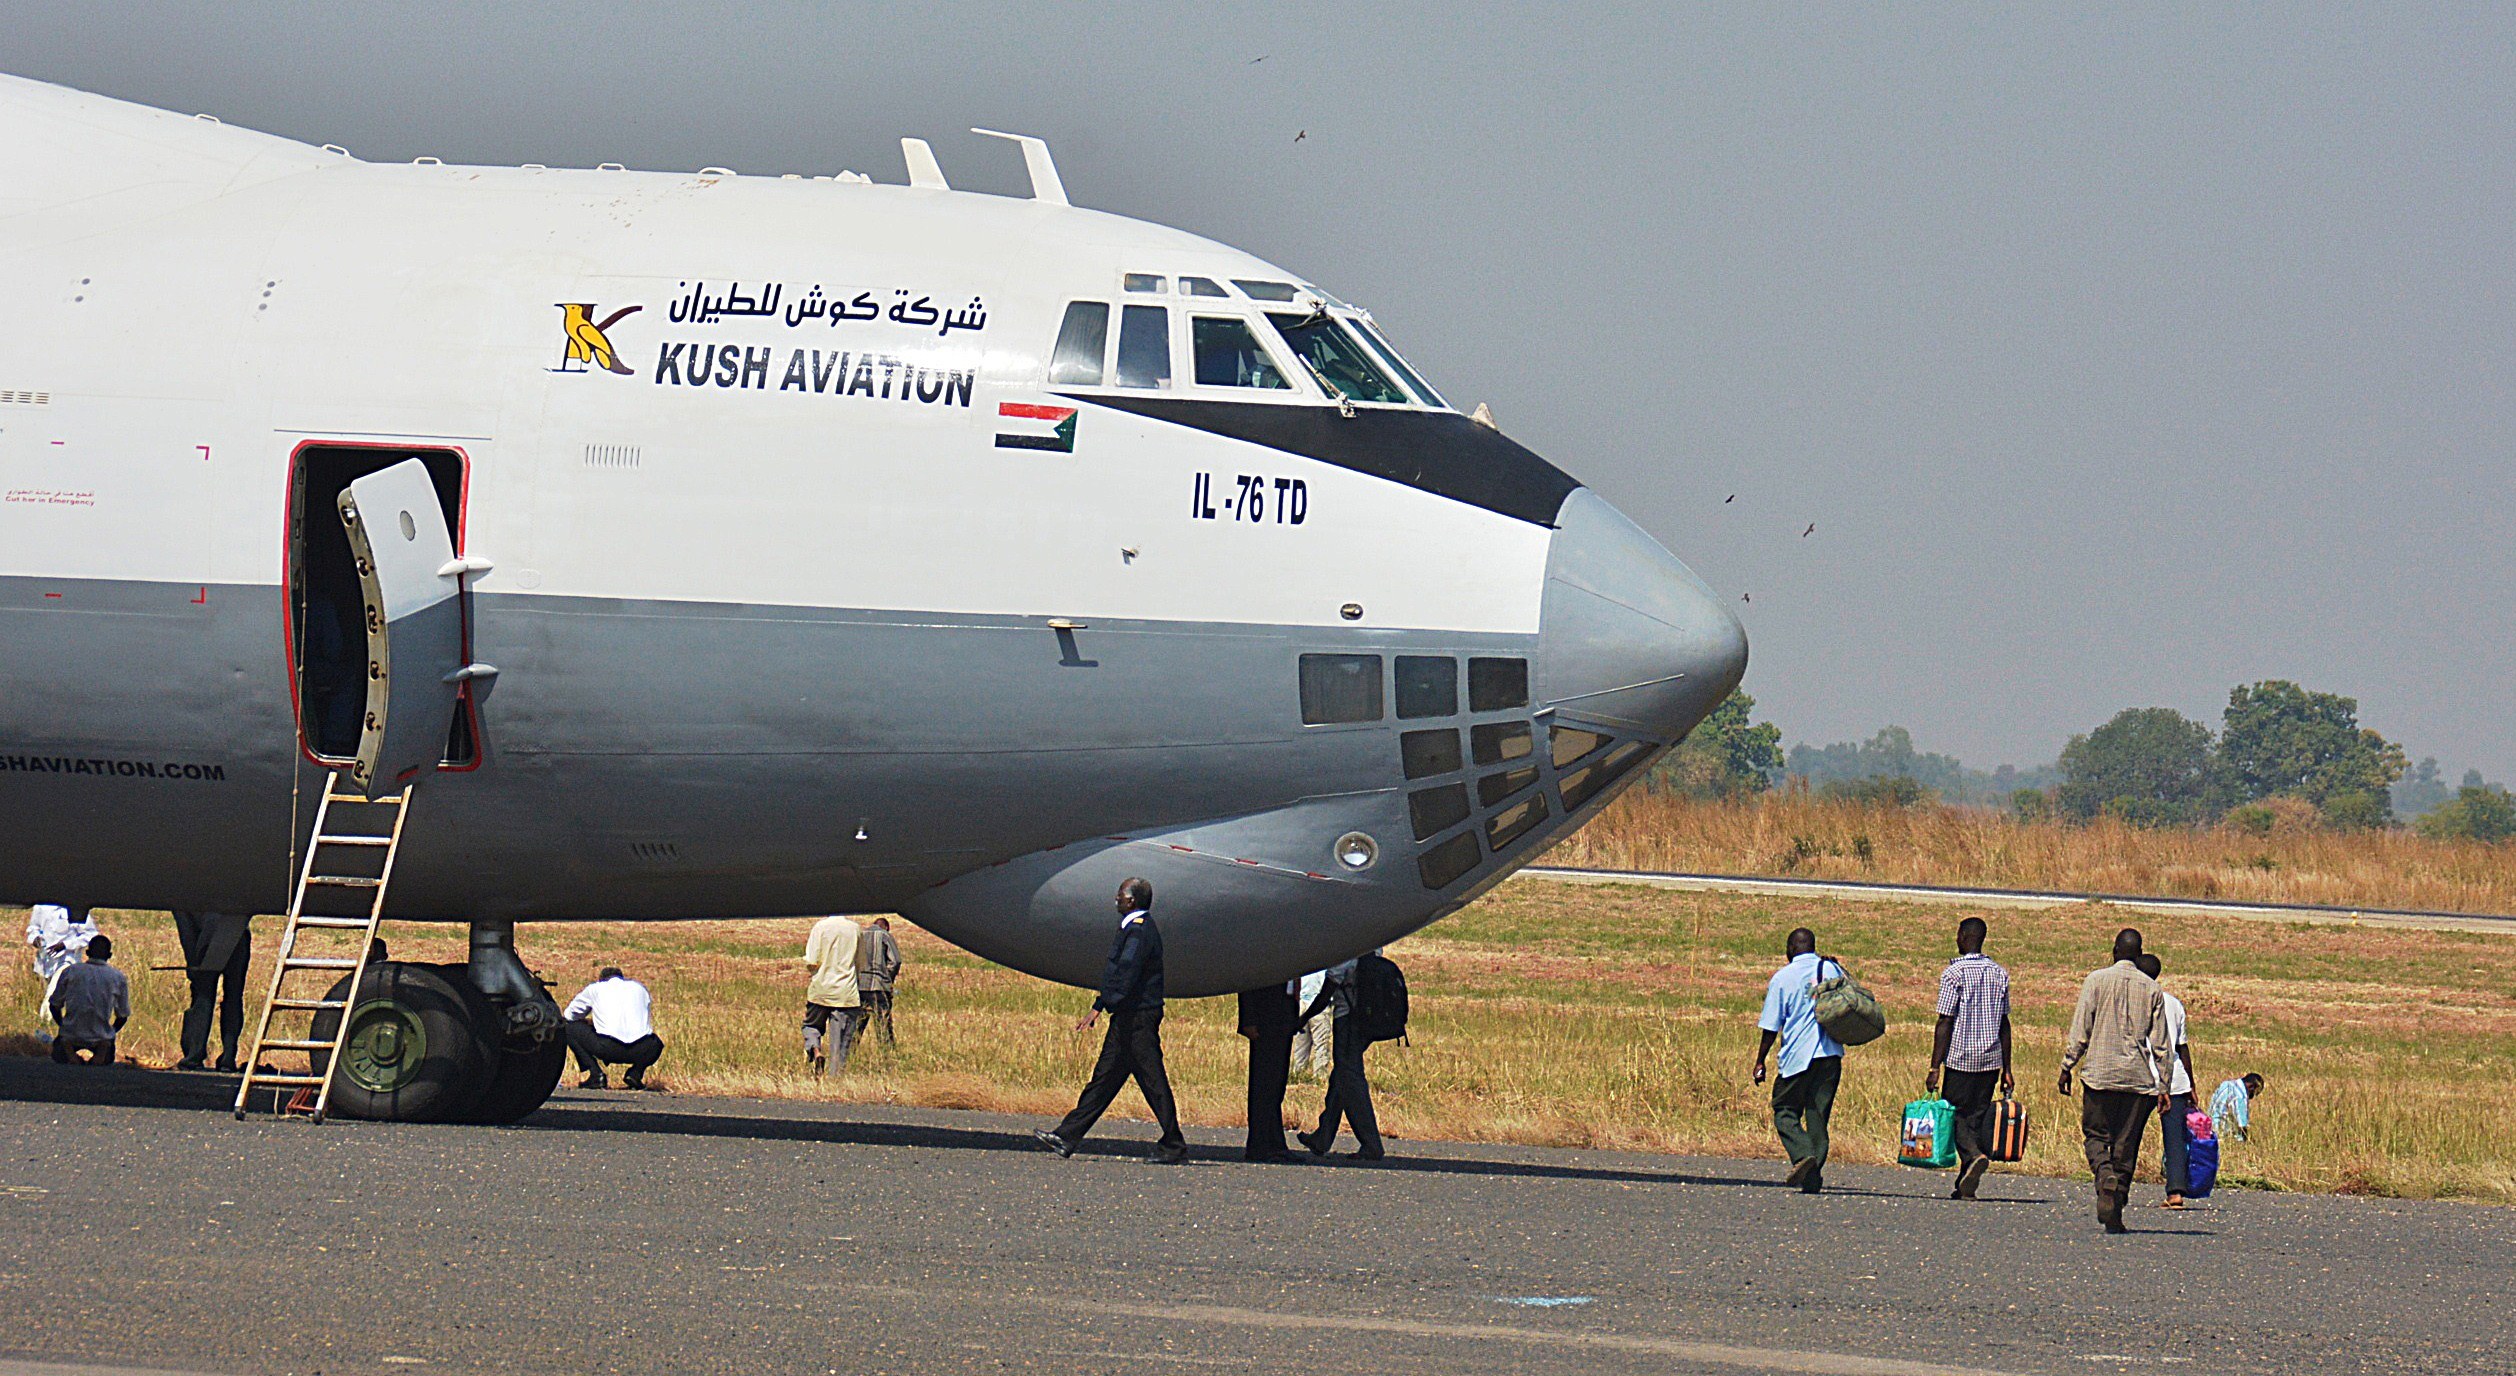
834, 1008
2119, 1044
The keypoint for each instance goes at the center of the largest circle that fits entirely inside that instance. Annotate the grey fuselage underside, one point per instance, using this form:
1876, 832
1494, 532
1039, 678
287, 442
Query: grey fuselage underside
655, 759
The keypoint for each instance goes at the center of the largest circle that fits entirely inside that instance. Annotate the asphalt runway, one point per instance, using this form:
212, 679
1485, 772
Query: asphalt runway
141, 1229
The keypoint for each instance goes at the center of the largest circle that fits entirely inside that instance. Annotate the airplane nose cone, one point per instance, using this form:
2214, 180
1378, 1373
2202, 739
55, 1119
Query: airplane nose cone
1629, 636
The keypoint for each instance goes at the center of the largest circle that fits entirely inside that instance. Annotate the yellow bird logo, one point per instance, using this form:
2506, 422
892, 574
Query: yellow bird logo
586, 341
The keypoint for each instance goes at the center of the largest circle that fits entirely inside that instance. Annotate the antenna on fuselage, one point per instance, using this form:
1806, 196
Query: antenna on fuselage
1044, 183
923, 169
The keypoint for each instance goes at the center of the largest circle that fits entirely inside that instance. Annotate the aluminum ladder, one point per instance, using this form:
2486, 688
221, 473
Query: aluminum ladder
339, 866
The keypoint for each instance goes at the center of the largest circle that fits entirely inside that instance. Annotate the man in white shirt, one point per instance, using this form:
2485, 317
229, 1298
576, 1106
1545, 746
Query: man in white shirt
2174, 1137
612, 1021
834, 1004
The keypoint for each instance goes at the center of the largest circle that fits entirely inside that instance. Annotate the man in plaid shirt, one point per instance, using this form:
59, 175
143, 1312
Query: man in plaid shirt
1972, 1044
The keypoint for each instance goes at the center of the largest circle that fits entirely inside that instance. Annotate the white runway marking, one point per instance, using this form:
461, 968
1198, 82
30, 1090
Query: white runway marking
1778, 1359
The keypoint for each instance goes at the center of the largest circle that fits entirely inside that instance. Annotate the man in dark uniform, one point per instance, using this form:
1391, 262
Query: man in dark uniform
1269, 1018
217, 947
1131, 993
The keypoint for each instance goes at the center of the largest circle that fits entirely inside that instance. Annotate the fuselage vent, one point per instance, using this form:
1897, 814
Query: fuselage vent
9, 398
655, 850
611, 456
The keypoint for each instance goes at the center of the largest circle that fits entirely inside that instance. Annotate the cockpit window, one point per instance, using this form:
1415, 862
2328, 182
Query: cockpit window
1335, 359
1144, 281
1388, 355
1080, 344
1264, 291
1144, 347
1229, 354
1200, 286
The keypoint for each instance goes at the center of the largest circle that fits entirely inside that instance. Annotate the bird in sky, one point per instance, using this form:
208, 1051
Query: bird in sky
1812, 530
1297, 138
1743, 597
1258, 59
1729, 499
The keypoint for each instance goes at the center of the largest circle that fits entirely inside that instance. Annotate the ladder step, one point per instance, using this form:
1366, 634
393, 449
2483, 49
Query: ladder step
260, 1080
310, 920
310, 1005
343, 881
353, 840
278, 1045
393, 800
319, 963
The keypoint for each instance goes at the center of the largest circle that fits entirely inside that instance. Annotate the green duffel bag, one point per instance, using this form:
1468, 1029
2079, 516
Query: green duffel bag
1845, 1011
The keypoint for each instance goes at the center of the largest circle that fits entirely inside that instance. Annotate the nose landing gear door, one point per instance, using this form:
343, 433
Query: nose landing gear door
413, 588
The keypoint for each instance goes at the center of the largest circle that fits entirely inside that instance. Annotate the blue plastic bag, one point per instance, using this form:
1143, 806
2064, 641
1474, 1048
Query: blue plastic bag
2201, 1167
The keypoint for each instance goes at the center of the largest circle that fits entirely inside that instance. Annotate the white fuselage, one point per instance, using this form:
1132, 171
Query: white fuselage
806, 587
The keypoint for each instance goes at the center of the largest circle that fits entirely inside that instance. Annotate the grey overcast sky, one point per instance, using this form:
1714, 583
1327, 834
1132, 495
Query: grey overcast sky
2118, 355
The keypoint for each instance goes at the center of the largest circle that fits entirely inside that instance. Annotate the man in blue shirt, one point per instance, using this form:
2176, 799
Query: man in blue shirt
1812, 1062
2231, 1108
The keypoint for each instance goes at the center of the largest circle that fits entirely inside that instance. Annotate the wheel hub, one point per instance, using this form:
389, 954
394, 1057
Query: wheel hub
385, 1047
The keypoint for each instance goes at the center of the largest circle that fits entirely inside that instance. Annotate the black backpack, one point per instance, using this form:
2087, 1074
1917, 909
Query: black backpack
1380, 999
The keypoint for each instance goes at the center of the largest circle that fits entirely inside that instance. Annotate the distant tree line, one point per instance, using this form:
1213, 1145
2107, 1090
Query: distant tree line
2282, 755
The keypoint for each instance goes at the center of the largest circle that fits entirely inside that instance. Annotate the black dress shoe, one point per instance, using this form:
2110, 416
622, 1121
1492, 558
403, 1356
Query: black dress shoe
1361, 1155
1167, 1156
1314, 1143
1972, 1176
195, 1063
597, 1080
1052, 1142
1278, 1157
227, 1065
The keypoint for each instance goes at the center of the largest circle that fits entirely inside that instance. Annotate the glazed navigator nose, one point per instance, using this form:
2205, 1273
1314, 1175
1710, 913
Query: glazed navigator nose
1628, 636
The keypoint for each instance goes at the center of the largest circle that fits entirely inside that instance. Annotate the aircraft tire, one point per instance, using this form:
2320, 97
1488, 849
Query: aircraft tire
524, 1079
414, 1052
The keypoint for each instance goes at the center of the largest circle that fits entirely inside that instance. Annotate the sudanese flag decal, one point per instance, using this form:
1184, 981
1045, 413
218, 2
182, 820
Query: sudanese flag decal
1030, 425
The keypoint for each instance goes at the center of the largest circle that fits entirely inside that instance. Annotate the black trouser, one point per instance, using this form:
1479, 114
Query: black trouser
2174, 1137
1270, 1066
1349, 1091
594, 1049
1969, 1092
2111, 1120
206, 999
878, 1008
1132, 1047
1803, 1109
103, 1051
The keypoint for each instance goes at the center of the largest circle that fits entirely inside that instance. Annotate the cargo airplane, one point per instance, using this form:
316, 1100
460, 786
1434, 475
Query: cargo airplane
766, 545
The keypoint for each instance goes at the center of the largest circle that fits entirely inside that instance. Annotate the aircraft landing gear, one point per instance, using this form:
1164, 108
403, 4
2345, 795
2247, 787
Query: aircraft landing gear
476, 1043
523, 1040
413, 1053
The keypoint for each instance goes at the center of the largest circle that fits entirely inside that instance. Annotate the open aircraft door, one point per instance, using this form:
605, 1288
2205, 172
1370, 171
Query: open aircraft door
412, 582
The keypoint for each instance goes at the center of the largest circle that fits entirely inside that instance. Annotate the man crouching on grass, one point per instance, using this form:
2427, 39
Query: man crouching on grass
90, 1002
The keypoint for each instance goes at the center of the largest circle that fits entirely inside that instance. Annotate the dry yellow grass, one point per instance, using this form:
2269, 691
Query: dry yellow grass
1620, 1016
1794, 833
